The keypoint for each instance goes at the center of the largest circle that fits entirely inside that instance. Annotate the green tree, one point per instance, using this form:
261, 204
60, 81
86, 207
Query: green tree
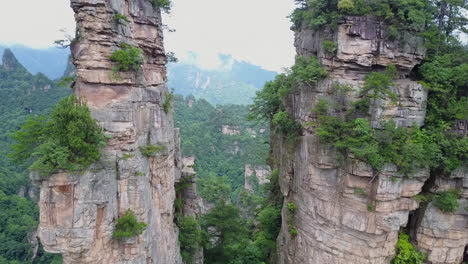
68, 139
190, 238
128, 226
215, 188
406, 252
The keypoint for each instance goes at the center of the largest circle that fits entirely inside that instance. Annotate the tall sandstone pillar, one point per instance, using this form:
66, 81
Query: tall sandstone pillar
333, 222
78, 210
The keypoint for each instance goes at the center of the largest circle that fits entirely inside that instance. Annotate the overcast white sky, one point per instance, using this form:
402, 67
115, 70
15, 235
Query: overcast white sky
256, 31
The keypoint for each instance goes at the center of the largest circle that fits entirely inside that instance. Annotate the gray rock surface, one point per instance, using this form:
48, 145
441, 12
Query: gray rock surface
78, 210
346, 212
444, 236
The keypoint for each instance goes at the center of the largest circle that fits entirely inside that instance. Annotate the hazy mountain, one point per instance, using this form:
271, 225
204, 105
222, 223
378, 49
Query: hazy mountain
51, 62
232, 82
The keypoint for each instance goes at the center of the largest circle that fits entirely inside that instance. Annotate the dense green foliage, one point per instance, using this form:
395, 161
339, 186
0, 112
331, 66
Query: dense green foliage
445, 76
230, 238
18, 219
217, 154
128, 226
215, 188
406, 252
351, 133
447, 201
127, 58
190, 238
268, 104
329, 46
68, 139
408, 148
406, 14
21, 95
229, 234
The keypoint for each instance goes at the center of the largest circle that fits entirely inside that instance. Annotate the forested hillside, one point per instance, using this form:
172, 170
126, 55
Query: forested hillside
221, 139
21, 95
34, 60
220, 154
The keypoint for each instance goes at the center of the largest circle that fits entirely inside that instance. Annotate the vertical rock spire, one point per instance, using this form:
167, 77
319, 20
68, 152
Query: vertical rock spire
79, 209
334, 223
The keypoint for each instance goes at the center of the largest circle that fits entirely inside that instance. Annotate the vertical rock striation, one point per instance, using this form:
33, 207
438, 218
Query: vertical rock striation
78, 210
443, 236
333, 221
192, 203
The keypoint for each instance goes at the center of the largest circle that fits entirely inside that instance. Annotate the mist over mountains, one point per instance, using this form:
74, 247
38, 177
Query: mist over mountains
230, 81
51, 62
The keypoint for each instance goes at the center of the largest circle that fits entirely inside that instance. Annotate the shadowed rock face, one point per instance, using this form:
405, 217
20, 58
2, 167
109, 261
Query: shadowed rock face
333, 222
79, 209
445, 236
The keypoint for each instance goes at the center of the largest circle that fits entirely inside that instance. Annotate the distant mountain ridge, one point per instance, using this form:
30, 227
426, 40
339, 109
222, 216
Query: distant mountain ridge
231, 82
51, 62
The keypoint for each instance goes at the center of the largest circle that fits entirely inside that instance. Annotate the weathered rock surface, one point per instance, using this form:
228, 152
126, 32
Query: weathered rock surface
260, 172
193, 203
346, 212
230, 130
78, 210
445, 236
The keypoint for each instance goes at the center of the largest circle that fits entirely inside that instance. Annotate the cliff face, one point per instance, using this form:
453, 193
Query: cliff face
333, 222
444, 236
78, 211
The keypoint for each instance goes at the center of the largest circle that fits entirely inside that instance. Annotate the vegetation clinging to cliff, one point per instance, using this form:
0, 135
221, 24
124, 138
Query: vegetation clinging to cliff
127, 58
445, 76
406, 252
68, 139
415, 15
447, 201
351, 133
128, 226
190, 238
268, 104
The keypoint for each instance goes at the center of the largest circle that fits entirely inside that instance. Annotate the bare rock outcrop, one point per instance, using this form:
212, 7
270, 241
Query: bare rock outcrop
257, 173
192, 201
78, 210
345, 212
444, 236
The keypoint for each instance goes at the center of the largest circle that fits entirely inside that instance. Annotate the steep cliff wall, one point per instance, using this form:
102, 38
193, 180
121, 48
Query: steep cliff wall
444, 236
334, 222
79, 209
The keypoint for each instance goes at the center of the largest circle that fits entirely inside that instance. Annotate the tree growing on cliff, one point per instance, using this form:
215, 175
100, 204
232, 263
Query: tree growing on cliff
68, 139
127, 58
128, 226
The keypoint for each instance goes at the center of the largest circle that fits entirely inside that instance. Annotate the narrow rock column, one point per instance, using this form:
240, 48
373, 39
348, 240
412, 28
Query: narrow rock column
335, 223
79, 210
